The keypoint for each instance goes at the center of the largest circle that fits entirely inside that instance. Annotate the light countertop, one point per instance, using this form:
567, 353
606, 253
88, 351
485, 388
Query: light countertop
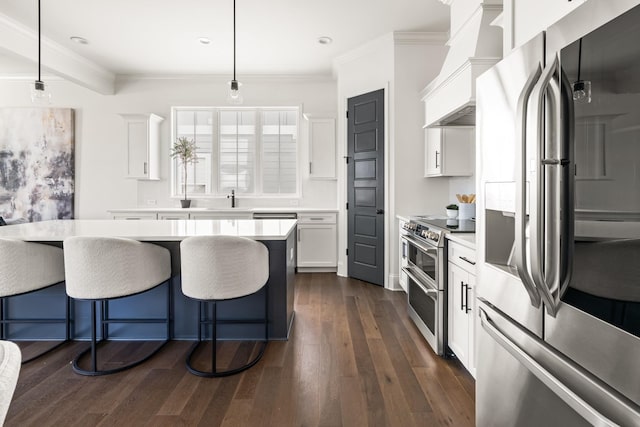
465, 239
149, 230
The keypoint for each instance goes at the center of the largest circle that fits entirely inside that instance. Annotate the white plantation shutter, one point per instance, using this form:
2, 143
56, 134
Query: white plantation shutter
237, 148
252, 151
279, 152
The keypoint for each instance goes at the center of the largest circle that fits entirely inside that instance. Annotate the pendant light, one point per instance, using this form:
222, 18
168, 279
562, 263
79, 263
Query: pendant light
581, 88
234, 97
39, 95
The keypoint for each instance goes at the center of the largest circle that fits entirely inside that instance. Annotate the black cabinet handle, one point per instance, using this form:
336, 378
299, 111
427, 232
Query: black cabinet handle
462, 293
379, 211
466, 292
468, 260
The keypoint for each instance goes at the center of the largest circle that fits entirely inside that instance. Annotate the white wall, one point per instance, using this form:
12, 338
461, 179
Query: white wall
415, 67
100, 139
402, 68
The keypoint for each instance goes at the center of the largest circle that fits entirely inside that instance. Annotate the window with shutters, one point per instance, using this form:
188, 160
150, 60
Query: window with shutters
253, 151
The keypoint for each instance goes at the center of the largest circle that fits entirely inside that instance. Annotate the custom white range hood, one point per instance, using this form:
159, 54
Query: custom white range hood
474, 46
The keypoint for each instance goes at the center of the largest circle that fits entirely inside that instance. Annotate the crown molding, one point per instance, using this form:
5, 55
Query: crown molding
420, 38
225, 78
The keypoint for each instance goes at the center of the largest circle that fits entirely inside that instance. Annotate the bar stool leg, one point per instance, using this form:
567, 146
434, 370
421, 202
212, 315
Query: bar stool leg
94, 353
214, 337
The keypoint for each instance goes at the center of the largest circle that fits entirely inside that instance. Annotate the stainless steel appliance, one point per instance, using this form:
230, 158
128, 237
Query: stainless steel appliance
558, 224
426, 263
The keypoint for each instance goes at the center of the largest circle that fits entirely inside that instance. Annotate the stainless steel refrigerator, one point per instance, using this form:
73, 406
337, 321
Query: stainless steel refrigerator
558, 223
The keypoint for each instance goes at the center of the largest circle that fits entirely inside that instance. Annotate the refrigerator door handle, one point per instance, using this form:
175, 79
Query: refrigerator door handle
588, 412
567, 215
521, 189
545, 234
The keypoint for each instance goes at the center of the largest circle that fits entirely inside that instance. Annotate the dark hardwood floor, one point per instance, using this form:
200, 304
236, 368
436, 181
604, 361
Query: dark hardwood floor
354, 359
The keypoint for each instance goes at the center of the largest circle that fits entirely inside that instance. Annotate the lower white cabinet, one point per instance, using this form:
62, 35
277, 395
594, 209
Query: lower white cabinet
220, 215
461, 304
134, 215
402, 259
173, 215
317, 242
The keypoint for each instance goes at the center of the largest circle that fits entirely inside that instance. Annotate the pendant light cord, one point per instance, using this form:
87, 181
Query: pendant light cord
40, 41
579, 56
234, 39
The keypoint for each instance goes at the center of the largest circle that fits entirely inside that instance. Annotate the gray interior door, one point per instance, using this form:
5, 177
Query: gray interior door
365, 182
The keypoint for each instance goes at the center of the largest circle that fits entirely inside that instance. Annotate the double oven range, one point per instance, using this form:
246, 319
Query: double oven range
424, 262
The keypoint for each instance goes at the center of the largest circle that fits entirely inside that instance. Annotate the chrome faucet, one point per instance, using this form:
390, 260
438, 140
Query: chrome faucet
232, 196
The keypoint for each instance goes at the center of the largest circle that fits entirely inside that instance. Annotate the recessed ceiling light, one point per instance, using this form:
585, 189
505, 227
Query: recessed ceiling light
204, 40
79, 40
325, 40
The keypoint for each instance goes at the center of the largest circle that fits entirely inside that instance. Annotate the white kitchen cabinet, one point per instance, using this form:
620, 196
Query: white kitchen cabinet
402, 256
221, 215
173, 215
461, 304
142, 132
134, 215
449, 151
317, 242
322, 146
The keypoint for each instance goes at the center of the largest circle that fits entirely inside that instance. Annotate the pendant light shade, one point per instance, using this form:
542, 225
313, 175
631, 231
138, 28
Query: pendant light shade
39, 94
234, 96
581, 88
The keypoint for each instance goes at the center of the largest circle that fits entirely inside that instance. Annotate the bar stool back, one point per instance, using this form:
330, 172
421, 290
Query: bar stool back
27, 267
100, 269
216, 268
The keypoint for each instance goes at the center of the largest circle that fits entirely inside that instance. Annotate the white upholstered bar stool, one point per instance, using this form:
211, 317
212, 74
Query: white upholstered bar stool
216, 268
9, 370
27, 267
99, 269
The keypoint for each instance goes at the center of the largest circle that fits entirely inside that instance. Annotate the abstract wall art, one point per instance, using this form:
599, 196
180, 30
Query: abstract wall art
36, 163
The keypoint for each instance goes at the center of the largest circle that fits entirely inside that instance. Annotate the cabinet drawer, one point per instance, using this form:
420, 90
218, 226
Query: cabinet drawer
462, 256
135, 215
173, 215
317, 218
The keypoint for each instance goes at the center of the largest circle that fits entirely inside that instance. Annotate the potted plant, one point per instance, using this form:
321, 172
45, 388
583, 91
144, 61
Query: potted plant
452, 211
184, 149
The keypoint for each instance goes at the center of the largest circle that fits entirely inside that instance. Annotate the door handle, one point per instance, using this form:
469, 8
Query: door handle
462, 292
379, 211
521, 188
566, 394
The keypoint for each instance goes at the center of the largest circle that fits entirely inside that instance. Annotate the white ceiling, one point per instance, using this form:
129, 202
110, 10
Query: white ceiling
273, 36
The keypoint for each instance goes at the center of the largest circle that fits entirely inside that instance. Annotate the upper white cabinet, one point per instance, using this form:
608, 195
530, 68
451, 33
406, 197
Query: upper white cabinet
322, 146
142, 132
530, 17
449, 151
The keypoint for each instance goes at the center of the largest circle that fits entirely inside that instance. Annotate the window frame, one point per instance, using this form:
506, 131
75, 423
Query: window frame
175, 168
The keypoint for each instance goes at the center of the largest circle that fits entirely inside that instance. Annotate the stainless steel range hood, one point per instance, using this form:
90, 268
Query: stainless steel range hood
475, 46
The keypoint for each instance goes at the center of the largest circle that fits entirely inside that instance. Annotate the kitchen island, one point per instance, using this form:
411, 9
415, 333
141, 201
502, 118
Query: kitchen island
277, 235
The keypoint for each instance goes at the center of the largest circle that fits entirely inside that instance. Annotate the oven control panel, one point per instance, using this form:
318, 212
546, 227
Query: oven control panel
424, 232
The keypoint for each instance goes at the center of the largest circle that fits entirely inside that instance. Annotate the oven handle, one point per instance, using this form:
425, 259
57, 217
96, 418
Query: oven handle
432, 252
426, 290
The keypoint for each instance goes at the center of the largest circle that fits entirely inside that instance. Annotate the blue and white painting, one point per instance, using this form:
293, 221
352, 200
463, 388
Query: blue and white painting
36, 163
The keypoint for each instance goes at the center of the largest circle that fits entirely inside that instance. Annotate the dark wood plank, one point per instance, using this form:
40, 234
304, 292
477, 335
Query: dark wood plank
354, 358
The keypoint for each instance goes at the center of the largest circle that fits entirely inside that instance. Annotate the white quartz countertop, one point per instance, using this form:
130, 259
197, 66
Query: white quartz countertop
465, 239
252, 210
149, 230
